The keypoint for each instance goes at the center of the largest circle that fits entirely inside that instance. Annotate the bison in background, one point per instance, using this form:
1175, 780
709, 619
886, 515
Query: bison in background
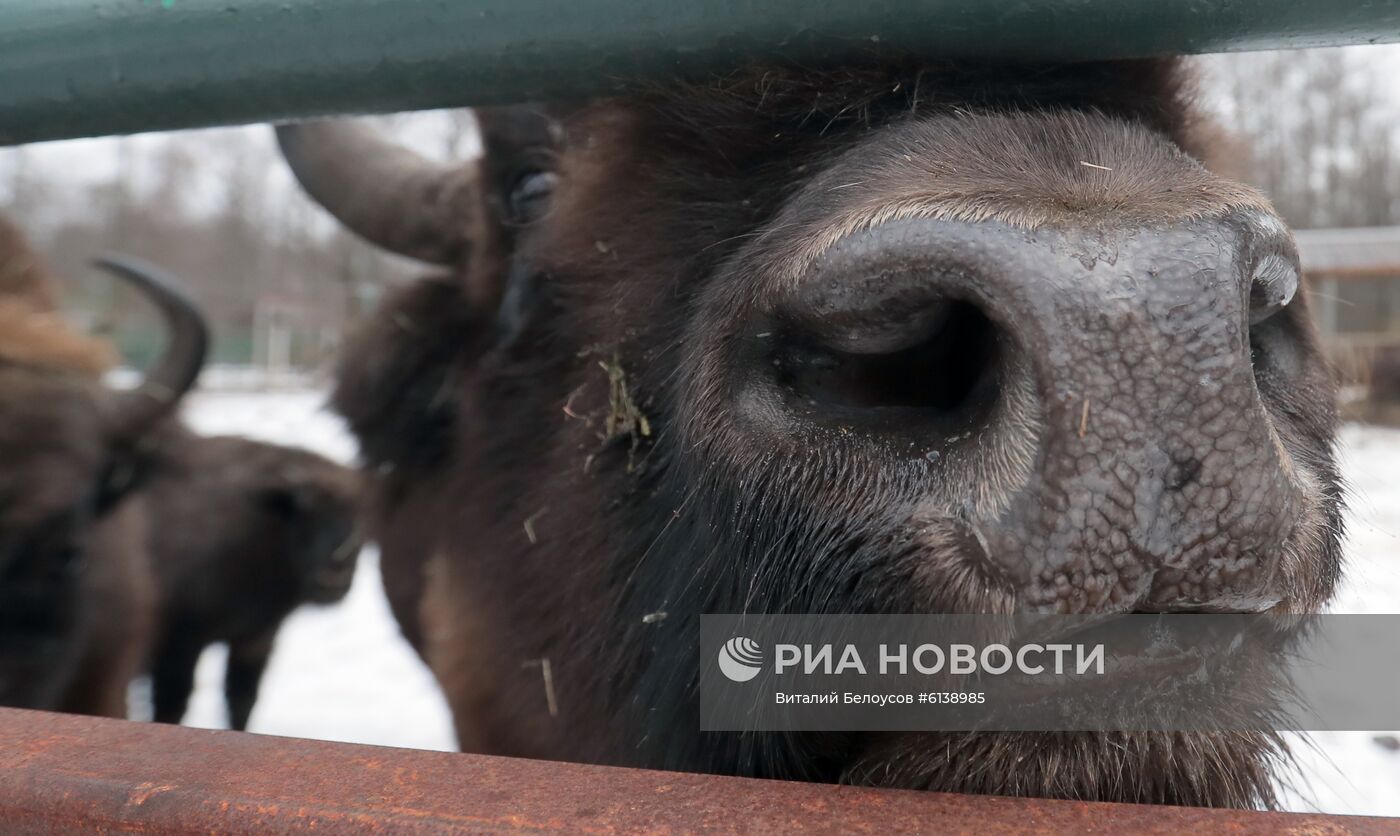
124, 538
248, 532
76, 591
898, 337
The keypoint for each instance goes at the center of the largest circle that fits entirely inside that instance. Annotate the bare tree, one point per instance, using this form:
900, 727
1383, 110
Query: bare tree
1320, 130
217, 209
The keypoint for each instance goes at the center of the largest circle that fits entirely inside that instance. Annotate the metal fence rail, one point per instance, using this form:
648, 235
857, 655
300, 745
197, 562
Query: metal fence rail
64, 774
90, 67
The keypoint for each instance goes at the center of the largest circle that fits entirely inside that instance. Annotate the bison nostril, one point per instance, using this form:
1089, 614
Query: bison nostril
938, 362
1272, 286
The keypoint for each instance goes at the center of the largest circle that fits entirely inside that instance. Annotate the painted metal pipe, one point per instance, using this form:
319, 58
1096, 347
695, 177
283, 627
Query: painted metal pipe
67, 774
72, 68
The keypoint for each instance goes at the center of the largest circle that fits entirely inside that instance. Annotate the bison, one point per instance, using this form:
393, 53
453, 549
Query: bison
885, 337
76, 590
248, 532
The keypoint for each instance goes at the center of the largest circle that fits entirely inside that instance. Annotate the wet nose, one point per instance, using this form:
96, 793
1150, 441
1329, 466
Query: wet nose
1122, 365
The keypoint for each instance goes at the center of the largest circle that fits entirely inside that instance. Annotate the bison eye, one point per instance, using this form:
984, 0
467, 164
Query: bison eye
529, 197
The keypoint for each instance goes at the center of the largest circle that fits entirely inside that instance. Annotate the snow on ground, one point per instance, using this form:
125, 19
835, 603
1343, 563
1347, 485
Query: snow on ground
345, 673
1349, 772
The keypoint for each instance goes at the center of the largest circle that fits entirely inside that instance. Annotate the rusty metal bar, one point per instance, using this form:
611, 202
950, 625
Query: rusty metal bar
65, 774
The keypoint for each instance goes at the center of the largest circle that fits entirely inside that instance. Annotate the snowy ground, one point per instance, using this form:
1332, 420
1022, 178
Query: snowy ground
1349, 772
345, 673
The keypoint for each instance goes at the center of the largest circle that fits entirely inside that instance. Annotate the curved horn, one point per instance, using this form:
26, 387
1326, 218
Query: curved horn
136, 412
386, 194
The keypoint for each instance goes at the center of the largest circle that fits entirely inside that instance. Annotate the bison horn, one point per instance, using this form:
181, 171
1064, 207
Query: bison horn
134, 413
387, 194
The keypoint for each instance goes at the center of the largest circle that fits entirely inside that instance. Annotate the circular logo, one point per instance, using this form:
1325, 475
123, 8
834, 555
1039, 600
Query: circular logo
740, 659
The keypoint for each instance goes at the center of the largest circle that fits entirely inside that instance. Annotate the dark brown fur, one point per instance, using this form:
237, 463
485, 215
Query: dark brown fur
557, 482
248, 532
75, 587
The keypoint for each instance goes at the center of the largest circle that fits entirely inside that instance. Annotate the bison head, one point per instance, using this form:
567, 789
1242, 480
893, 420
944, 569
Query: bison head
71, 449
311, 503
884, 339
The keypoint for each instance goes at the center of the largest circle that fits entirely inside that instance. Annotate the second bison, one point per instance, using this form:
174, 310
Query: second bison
248, 532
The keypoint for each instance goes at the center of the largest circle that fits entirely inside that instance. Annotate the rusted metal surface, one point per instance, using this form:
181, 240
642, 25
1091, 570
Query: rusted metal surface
62, 774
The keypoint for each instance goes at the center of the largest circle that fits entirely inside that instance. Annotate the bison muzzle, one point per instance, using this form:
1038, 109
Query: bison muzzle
892, 338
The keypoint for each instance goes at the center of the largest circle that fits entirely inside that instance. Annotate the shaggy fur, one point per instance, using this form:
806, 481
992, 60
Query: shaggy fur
592, 477
61, 562
76, 592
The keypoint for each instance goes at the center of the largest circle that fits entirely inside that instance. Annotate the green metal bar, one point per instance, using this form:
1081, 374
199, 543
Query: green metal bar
73, 68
